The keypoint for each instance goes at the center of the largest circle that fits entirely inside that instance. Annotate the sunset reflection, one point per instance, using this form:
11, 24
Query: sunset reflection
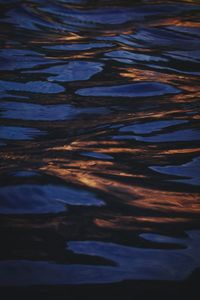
99, 143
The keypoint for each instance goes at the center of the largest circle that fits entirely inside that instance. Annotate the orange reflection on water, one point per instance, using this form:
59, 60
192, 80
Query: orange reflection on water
135, 223
179, 80
141, 75
191, 93
178, 22
166, 200
91, 175
181, 151
71, 36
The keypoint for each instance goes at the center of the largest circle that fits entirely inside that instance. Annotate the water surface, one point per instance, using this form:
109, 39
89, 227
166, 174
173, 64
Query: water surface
99, 141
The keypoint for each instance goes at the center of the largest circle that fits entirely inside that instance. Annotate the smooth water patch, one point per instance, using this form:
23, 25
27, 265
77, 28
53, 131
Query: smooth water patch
164, 38
189, 171
176, 136
42, 87
185, 135
25, 174
149, 127
14, 59
43, 199
78, 47
134, 57
125, 39
188, 56
113, 16
97, 155
54, 112
73, 71
130, 263
143, 89
24, 18
19, 133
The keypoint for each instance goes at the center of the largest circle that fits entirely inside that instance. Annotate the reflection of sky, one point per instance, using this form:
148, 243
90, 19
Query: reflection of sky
177, 136
30, 111
24, 18
163, 37
149, 127
57, 48
114, 16
43, 87
25, 173
73, 71
191, 170
134, 56
144, 89
193, 55
19, 133
131, 263
74, 47
97, 155
41, 199
13, 59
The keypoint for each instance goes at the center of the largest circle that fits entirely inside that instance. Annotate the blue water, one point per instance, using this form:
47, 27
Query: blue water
99, 141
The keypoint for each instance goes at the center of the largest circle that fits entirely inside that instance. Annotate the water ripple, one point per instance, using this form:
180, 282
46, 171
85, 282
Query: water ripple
99, 141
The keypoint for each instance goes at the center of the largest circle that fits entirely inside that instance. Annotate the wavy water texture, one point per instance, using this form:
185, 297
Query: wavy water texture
99, 141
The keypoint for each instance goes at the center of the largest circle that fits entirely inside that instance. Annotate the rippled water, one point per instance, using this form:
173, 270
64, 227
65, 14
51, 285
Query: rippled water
99, 141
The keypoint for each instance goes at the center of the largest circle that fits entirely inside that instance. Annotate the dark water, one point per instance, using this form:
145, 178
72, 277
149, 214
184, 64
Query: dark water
99, 141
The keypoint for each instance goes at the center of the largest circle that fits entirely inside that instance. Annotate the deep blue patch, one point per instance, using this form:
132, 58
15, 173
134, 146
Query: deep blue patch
77, 47
131, 263
14, 59
42, 87
19, 133
188, 170
149, 127
54, 112
73, 71
143, 89
42, 199
97, 155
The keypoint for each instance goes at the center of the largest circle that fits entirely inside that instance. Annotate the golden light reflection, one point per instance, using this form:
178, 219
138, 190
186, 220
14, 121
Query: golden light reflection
146, 75
125, 180
181, 151
71, 36
134, 223
148, 200
109, 176
92, 174
178, 22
